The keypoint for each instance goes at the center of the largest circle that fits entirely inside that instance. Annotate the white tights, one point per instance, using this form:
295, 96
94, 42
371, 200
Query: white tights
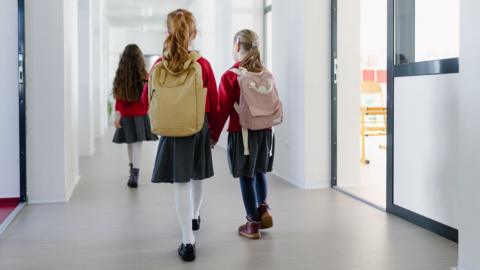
188, 200
135, 154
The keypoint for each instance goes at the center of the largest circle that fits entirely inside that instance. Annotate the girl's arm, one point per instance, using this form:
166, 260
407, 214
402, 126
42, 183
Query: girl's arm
118, 114
144, 98
211, 104
225, 103
212, 99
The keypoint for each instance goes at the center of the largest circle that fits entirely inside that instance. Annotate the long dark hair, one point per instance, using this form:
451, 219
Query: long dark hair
131, 75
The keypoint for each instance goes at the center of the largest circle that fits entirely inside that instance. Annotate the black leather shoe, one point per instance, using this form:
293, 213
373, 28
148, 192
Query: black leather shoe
133, 180
187, 252
196, 224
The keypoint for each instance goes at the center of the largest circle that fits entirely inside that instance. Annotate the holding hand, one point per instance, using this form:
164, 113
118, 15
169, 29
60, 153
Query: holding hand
212, 143
116, 122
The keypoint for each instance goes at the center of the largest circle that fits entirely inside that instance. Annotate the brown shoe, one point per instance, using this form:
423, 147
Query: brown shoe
266, 220
250, 230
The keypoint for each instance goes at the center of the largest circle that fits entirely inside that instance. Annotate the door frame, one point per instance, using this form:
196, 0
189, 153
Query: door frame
22, 101
414, 69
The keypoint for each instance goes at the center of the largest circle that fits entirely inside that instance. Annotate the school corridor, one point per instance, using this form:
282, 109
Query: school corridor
105, 225
373, 121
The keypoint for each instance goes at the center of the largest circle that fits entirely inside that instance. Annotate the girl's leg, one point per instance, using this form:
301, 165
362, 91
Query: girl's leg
247, 186
130, 152
136, 154
261, 188
184, 211
266, 220
196, 197
135, 161
251, 229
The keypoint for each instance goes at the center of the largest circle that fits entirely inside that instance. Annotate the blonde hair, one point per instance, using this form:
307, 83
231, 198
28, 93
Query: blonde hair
249, 43
181, 30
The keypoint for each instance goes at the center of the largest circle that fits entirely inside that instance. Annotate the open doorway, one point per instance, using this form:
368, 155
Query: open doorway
360, 99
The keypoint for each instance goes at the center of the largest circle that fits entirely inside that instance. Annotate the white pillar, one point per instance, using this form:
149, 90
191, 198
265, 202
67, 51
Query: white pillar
86, 102
317, 94
469, 172
97, 67
52, 99
106, 83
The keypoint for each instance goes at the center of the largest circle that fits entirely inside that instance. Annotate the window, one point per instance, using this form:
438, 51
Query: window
426, 30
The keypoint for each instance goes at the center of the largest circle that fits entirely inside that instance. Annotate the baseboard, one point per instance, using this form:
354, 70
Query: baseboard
4, 225
318, 186
72, 187
283, 178
459, 268
293, 183
32, 200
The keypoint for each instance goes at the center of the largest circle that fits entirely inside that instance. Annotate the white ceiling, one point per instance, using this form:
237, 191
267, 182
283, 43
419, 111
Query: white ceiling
142, 13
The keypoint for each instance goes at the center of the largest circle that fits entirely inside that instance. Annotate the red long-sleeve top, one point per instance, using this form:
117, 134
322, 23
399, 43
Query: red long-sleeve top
131, 109
208, 78
228, 95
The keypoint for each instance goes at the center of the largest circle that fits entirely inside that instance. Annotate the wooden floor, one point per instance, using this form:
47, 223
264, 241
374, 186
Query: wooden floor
107, 226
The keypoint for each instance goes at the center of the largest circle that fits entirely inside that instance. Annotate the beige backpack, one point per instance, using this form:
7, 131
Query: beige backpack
177, 100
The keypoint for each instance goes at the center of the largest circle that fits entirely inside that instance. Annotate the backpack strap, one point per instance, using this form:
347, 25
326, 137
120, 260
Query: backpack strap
239, 71
272, 144
246, 150
195, 56
236, 71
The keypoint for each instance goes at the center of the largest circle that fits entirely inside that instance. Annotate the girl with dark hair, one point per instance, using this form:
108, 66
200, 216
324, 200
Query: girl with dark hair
131, 120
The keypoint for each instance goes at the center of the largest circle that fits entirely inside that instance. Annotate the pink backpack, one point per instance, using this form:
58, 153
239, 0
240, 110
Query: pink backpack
259, 106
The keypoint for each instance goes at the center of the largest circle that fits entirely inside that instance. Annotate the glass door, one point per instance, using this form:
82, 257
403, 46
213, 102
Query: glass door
393, 64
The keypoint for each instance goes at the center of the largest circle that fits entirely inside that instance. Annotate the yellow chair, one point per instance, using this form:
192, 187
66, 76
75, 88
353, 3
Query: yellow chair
370, 124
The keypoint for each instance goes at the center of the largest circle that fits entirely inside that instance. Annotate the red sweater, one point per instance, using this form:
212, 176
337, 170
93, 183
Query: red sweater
228, 95
208, 78
131, 109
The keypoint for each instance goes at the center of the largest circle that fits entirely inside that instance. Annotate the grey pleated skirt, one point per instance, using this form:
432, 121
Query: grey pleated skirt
182, 159
261, 145
134, 129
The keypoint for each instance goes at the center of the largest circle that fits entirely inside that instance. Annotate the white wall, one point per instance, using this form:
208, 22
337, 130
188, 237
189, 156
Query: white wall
9, 130
86, 106
288, 68
426, 143
469, 134
51, 99
348, 93
301, 38
317, 93
71, 104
